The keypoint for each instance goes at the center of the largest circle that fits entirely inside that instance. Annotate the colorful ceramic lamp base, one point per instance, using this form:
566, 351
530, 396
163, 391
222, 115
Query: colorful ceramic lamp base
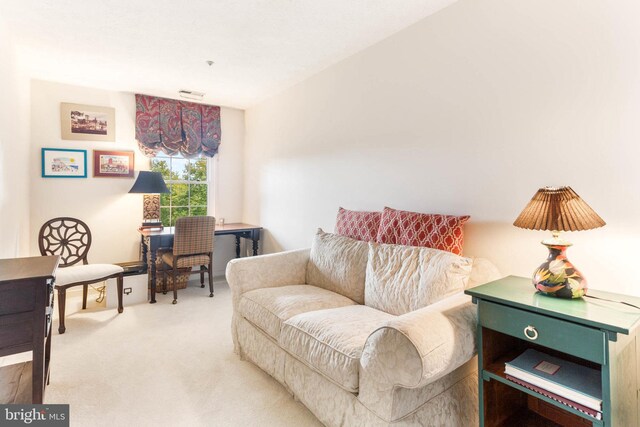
557, 276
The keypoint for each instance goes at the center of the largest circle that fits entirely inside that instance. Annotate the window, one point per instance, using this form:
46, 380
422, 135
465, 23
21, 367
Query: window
187, 182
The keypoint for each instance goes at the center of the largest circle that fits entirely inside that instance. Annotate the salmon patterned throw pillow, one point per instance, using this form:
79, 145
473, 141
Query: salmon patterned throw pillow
444, 232
358, 225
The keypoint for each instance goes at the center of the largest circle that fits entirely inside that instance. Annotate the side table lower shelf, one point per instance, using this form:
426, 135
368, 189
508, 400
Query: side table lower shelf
492, 375
530, 419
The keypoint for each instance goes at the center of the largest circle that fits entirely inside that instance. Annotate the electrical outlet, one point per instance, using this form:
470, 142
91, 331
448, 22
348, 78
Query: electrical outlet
135, 289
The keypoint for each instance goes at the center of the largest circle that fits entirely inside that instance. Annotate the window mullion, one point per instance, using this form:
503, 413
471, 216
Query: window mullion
185, 177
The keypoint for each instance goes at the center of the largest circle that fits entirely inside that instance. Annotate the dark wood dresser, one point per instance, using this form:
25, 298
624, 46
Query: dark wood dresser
26, 310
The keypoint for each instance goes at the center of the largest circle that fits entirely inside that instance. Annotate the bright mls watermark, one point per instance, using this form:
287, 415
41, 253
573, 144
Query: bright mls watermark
34, 415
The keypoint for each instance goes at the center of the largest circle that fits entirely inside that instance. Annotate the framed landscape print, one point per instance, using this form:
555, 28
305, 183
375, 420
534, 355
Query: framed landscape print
61, 163
87, 122
113, 164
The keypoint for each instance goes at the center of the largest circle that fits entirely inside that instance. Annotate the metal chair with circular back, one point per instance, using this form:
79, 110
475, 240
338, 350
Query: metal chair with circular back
70, 239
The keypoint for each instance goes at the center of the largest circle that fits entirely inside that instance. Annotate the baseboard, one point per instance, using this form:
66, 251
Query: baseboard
136, 289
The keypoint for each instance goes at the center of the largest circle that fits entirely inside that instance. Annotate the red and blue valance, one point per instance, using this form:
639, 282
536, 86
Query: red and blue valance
176, 127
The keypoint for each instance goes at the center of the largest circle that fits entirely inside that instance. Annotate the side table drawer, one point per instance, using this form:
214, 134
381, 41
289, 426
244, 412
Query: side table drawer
567, 337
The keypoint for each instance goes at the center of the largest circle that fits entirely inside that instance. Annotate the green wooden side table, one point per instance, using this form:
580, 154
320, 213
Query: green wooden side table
600, 334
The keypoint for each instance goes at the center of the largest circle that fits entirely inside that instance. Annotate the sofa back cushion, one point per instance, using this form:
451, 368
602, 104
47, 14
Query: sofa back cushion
359, 225
338, 264
444, 232
401, 279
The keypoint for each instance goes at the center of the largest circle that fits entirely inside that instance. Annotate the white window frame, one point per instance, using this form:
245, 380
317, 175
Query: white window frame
209, 181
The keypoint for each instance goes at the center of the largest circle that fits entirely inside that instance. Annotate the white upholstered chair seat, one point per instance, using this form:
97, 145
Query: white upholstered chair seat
84, 273
268, 308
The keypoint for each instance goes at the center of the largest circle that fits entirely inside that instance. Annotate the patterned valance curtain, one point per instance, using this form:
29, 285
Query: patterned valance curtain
176, 127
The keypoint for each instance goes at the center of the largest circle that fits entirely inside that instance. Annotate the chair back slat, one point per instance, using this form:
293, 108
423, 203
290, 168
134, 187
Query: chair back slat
66, 237
194, 235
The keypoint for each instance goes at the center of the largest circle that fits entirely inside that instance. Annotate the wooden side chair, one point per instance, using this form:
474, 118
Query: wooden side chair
192, 247
70, 239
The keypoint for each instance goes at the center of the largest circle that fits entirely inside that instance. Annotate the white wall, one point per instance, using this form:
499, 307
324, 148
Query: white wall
228, 183
14, 151
104, 203
469, 111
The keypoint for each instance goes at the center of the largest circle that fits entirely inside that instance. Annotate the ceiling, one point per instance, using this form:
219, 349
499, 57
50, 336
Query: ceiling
157, 47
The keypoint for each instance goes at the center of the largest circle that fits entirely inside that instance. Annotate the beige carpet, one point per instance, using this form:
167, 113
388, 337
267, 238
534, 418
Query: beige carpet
164, 365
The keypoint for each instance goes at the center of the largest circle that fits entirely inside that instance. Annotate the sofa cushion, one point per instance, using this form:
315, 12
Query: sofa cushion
444, 232
268, 308
359, 225
338, 264
401, 279
331, 341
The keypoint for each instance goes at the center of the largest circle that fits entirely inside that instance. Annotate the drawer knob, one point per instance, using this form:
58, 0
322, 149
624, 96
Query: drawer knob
531, 332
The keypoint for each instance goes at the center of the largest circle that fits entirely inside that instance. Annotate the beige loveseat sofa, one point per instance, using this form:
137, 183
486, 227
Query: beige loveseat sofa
363, 334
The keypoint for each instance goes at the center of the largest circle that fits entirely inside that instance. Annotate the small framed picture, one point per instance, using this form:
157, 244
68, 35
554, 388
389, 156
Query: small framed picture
61, 163
113, 164
87, 122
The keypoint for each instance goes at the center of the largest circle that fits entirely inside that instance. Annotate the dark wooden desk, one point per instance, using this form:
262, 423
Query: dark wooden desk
151, 241
26, 309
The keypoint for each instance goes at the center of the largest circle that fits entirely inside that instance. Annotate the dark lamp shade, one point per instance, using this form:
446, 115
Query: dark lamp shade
149, 183
558, 209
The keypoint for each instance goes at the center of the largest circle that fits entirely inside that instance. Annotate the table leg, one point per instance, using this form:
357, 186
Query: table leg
237, 246
143, 255
255, 237
152, 260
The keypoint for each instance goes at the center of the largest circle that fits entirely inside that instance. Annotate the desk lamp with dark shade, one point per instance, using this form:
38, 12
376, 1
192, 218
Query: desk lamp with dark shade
151, 185
558, 209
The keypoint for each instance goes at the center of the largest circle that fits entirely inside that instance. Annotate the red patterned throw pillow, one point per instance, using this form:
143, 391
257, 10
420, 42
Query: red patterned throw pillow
442, 232
358, 225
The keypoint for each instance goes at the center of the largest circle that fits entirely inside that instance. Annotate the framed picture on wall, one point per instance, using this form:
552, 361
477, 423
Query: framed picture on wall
87, 122
113, 164
61, 163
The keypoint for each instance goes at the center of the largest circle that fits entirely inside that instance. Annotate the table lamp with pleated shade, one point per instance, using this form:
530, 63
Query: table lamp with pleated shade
558, 209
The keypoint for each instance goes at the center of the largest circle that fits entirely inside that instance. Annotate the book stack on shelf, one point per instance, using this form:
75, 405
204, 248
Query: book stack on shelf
577, 386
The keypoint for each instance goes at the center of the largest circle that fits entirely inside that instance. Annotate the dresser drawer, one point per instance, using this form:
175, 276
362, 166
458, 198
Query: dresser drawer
17, 298
567, 337
16, 330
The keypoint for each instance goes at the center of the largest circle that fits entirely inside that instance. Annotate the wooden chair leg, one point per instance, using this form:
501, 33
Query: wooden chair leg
164, 278
175, 284
62, 299
210, 271
120, 290
85, 291
202, 267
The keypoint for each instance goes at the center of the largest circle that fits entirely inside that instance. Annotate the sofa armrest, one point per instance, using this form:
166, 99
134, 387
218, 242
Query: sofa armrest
416, 349
266, 271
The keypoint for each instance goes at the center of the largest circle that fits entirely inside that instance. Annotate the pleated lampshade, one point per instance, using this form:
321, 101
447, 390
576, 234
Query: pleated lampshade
558, 209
